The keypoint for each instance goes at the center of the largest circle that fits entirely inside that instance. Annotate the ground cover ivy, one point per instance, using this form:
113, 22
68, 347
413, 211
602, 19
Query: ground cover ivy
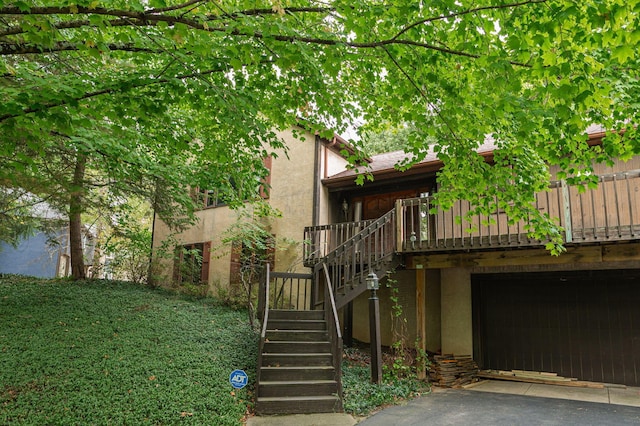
104, 352
361, 397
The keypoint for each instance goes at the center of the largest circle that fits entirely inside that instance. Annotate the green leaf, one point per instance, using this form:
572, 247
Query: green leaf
623, 53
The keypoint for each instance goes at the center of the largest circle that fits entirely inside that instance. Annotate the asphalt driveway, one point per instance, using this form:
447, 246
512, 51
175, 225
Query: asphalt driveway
462, 407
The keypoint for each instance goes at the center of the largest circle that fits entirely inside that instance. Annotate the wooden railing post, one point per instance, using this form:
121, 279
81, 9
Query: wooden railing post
399, 226
566, 207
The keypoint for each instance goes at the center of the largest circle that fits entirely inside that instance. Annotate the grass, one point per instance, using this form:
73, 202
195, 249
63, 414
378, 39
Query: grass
115, 353
107, 352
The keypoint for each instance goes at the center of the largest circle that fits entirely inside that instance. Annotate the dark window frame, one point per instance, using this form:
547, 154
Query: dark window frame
184, 254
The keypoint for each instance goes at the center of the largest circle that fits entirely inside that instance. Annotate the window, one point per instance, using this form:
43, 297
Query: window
209, 198
213, 197
191, 263
248, 262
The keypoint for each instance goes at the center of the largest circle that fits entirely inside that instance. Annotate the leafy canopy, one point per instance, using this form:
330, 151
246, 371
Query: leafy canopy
171, 94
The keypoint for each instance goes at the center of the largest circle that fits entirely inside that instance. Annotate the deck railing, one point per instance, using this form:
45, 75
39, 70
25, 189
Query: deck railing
610, 212
287, 291
350, 262
323, 239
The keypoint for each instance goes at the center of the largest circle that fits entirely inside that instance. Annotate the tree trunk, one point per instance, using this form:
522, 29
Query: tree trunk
75, 220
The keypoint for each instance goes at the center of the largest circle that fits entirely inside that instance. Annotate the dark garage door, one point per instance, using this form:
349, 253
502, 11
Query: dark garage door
578, 324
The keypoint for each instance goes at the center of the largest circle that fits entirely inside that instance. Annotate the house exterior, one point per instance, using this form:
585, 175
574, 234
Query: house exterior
45, 254
295, 189
35, 256
490, 292
493, 293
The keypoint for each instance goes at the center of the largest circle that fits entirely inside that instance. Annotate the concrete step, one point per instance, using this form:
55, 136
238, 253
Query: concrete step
296, 347
298, 388
293, 360
296, 373
298, 405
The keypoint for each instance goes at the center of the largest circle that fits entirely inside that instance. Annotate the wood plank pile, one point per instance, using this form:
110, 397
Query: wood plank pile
453, 370
537, 377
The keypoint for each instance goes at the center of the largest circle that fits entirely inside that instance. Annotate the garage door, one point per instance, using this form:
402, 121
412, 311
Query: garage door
578, 324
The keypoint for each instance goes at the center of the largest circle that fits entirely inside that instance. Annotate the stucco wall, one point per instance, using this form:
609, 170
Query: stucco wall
292, 182
334, 163
456, 317
406, 298
331, 163
433, 312
209, 227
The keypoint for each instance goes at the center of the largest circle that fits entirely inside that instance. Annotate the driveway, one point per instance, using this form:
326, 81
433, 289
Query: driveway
463, 407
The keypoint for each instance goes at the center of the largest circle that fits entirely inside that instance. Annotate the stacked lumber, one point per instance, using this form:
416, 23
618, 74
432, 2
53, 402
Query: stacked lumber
541, 377
453, 370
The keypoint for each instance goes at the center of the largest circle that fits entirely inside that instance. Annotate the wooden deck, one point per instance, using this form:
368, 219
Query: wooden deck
608, 213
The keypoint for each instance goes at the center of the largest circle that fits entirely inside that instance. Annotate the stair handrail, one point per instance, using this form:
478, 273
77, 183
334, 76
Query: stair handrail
263, 333
265, 316
332, 299
350, 248
373, 226
335, 332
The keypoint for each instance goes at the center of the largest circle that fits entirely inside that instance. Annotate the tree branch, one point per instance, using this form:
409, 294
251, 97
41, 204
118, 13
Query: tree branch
175, 7
421, 92
17, 29
260, 12
144, 18
111, 90
465, 12
26, 49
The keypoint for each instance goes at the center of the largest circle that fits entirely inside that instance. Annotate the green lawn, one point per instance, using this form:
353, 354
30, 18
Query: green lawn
115, 353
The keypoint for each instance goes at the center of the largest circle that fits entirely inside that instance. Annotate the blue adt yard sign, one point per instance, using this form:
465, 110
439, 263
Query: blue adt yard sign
238, 379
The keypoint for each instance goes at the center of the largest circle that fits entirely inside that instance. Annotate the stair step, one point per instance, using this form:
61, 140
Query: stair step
298, 388
296, 347
295, 315
297, 335
292, 360
296, 324
296, 373
298, 405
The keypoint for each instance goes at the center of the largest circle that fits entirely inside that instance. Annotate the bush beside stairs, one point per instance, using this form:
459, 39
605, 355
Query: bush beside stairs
296, 373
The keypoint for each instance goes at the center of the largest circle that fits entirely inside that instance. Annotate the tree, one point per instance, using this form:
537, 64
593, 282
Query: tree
388, 139
255, 246
126, 240
158, 93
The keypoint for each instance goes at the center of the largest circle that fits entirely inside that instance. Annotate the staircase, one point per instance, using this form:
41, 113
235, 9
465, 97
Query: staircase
372, 249
297, 373
299, 363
